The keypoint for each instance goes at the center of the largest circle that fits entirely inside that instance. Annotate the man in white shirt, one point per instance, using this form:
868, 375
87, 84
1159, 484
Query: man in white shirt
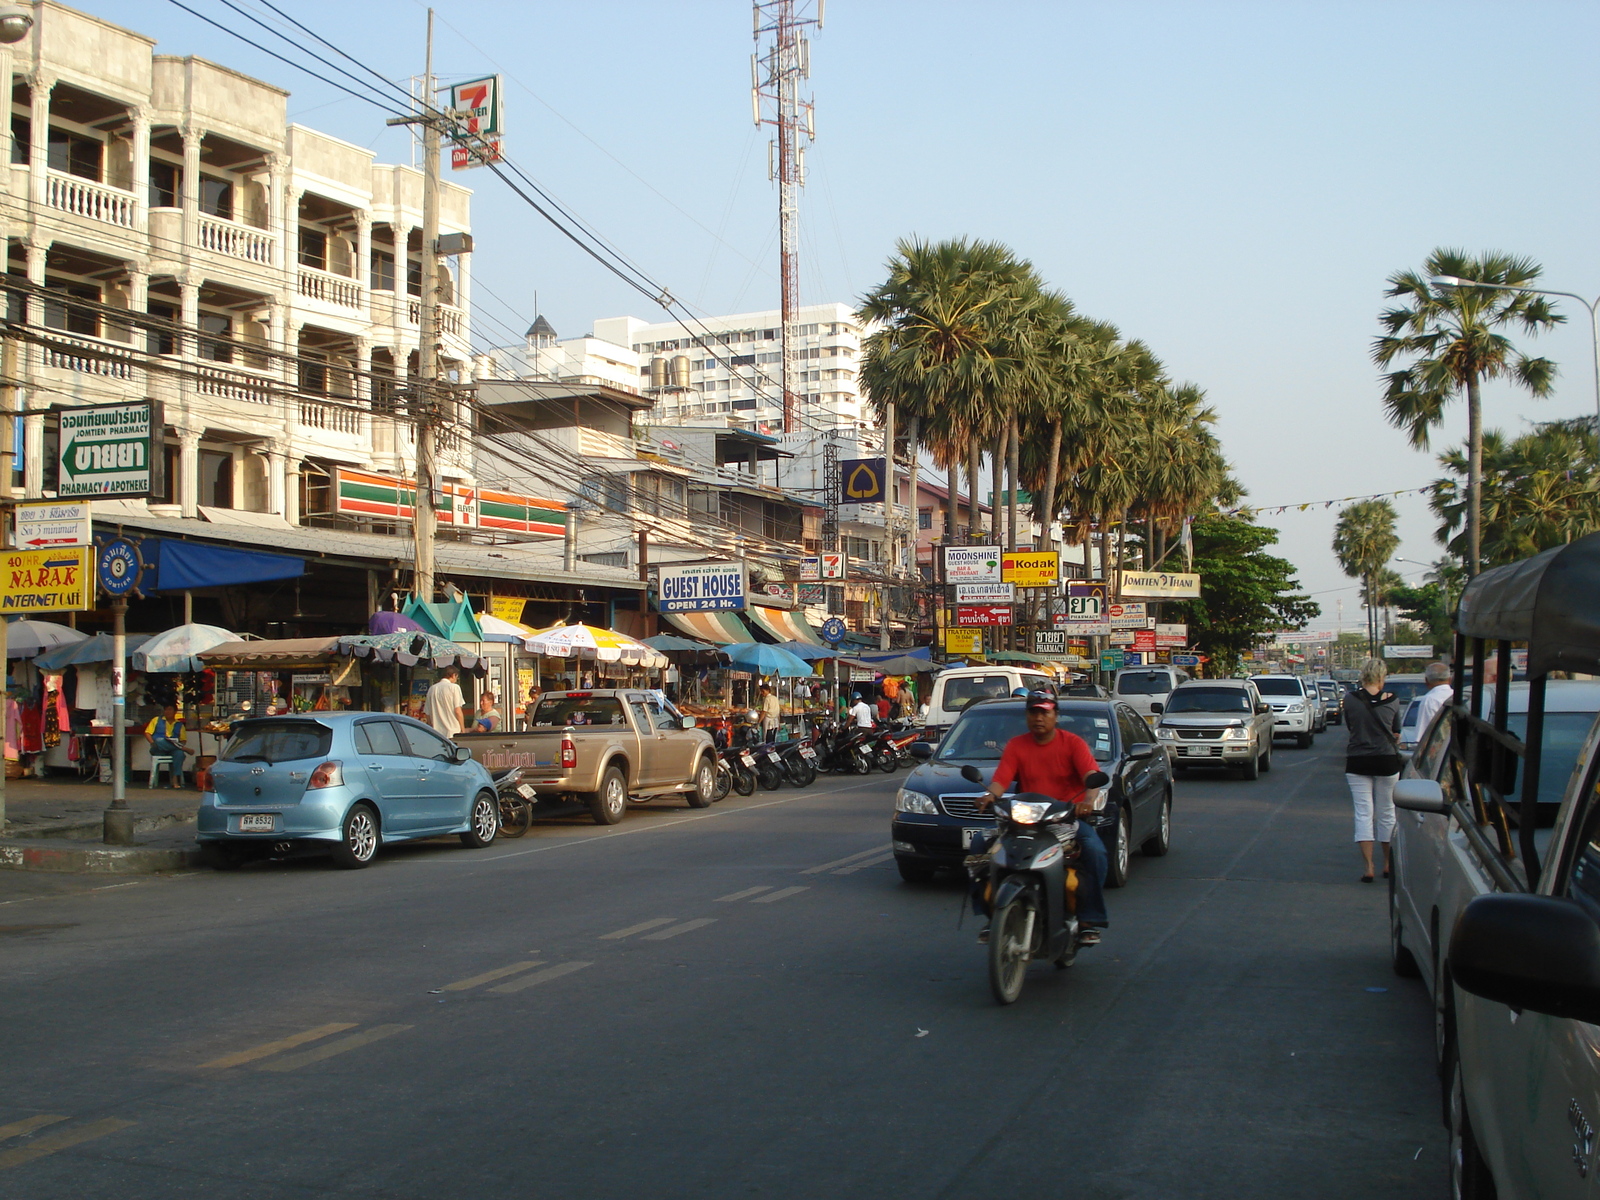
861, 714
445, 706
1437, 676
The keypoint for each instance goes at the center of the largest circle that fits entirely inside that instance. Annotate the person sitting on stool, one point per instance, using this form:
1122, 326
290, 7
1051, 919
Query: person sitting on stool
165, 735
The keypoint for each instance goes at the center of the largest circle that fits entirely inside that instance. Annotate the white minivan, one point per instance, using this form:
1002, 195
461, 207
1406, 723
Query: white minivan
955, 689
1142, 687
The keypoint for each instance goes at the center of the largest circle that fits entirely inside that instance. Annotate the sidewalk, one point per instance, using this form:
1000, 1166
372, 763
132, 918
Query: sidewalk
55, 825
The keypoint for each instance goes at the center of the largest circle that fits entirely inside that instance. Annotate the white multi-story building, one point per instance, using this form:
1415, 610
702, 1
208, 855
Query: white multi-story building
288, 262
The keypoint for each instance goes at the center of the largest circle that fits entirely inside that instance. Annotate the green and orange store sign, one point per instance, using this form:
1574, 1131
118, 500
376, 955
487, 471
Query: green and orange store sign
362, 494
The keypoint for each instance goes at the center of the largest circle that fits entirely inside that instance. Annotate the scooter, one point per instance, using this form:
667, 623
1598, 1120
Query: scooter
736, 767
516, 803
1020, 881
799, 761
845, 750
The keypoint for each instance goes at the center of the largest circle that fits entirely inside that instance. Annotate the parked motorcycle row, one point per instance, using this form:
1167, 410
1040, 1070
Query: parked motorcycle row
747, 761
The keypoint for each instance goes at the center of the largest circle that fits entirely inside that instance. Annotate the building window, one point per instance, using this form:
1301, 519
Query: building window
218, 346
413, 277
615, 558
216, 479
74, 155
21, 140
314, 249
162, 341
216, 197
74, 318
313, 375
925, 518
164, 185
382, 271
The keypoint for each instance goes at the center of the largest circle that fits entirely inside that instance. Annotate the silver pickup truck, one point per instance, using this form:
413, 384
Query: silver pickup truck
1514, 947
604, 748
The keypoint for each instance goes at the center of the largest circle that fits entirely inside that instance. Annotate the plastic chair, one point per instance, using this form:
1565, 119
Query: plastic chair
157, 761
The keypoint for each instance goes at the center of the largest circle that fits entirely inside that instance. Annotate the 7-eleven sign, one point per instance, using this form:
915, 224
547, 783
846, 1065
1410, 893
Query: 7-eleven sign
475, 106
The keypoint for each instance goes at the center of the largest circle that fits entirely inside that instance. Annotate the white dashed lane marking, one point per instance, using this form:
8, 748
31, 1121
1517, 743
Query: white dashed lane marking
687, 926
639, 928
839, 862
744, 895
780, 894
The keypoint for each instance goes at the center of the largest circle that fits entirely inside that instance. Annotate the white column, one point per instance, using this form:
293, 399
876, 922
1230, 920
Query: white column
39, 157
189, 317
193, 136
283, 254
464, 295
291, 488
37, 250
275, 482
141, 168
138, 302
189, 472
33, 455
363, 263
5, 126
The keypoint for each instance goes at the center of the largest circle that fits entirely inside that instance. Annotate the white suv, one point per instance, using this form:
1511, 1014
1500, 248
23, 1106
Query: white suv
1294, 712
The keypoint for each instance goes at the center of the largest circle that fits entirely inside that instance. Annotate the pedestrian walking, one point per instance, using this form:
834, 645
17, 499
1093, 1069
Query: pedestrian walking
1372, 761
444, 705
1437, 676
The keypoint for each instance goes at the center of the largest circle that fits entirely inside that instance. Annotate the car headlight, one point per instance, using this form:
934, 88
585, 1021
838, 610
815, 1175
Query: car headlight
1166, 735
1297, 706
1236, 733
914, 802
1029, 812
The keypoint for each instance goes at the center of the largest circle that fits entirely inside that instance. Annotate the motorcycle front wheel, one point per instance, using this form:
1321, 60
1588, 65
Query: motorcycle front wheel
886, 761
771, 777
744, 780
516, 814
1009, 951
724, 781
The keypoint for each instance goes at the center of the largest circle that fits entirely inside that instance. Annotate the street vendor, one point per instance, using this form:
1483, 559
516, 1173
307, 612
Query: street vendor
165, 735
771, 713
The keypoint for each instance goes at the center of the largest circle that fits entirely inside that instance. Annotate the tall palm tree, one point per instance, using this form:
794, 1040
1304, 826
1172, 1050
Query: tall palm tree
1180, 462
1452, 339
1364, 540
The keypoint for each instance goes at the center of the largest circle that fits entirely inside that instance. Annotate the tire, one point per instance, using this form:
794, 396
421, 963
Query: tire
1121, 848
609, 803
1401, 959
485, 821
886, 760
358, 842
914, 872
724, 783
1251, 769
705, 784
1266, 757
1158, 843
516, 815
860, 763
1008, 957
1303, 740
744, 780
769, 775
1469, 1174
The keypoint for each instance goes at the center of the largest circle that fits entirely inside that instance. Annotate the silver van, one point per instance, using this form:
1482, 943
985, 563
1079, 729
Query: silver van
955, 689
1141, 687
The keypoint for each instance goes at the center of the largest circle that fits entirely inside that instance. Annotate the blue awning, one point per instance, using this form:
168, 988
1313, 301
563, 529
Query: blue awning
174, 566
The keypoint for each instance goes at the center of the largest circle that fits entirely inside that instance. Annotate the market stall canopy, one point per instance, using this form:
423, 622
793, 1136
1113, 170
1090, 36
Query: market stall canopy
391, 622
721, 628
450, 619
903, 665
409, 649
171, 565
1547, 601
781, 623
671, 642
25, 639
498, 629
809, 652
96, 649
271, 655
175, 649
590, 641
768, 660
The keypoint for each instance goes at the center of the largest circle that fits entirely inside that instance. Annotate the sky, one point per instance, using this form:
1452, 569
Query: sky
1230, 182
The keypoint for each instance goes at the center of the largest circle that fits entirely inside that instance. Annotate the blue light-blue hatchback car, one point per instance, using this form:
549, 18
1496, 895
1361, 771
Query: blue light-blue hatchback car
345, 782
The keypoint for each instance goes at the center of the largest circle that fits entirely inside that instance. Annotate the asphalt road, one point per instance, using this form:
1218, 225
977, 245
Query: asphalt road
745, 1001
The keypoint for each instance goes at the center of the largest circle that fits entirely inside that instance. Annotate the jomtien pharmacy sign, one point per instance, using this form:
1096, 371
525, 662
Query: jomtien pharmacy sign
111, 450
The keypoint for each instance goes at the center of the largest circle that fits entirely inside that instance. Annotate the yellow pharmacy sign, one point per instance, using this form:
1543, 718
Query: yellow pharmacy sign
40, 581
1030, 569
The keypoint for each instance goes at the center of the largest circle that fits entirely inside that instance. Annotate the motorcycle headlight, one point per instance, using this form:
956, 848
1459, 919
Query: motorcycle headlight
1028, 812
1236, 733
914, 802
1297, 706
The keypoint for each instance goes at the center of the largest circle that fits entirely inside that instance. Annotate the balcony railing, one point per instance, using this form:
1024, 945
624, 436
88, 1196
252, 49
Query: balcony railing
89, 356
84, 198
451, 319
330, 289
233, 385
237, 241
334, 418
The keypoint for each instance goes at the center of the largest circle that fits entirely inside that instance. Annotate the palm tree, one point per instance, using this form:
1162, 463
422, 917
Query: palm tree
1180, 462
1364, 541
1452, 339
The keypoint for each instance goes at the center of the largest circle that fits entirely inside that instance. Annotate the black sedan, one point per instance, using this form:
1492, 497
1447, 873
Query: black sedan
936, 816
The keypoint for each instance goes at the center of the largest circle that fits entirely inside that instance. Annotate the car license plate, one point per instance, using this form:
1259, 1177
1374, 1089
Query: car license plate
257, 823
773, 755
973, 837
807, 752
748, 760
526, 792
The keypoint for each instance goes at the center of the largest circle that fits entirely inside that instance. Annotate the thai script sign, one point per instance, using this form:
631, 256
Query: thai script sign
972, 564
703, 587
111, 450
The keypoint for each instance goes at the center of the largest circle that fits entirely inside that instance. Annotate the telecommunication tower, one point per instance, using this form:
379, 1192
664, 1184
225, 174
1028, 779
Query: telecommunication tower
776, 69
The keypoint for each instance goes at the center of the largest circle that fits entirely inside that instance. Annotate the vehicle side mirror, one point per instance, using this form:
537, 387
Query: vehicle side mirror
922, 750
1263, 708
971, 774
1535, 952
686, 723
463, 754
1141, 750
1157, 708
1097, 779
1421, 795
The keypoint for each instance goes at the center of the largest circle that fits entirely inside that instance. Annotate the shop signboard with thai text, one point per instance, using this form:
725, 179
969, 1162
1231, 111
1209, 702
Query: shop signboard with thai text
987, 614
110, 451
702, 587
985, 593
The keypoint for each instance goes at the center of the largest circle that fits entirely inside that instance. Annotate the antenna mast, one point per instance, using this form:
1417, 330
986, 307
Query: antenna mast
776, 70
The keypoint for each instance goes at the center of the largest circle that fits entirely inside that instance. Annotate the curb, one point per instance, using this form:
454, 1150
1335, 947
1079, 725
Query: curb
49, 854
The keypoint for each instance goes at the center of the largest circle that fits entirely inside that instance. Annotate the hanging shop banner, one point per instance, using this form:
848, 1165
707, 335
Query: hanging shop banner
1127, 615
1034, 568
703, 587
36, 581
985, 593
363, 494
1158, 585
111, 450
1144, 640
861, 481
1049, 642
1087, 602
813, 593
972, 564
508, 608
1172, 636
989, 614
1080, 628
477, 111
811, 568
1408, 651
963, 641
1122, 637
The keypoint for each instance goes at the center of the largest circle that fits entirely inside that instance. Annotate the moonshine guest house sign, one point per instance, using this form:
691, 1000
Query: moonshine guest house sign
110, 451
703, 587
972, 564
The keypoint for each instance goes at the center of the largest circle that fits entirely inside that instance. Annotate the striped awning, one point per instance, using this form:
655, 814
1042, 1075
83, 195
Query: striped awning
721, 628
784, 624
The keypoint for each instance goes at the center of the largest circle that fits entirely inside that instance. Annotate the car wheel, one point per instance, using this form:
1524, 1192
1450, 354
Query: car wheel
1117, 867
358, 841
485, 822
1158, 843
1251, 769
611, 801
1303, 740
914, 872
1401, 959
1266, 757
705, 785
1469, 1174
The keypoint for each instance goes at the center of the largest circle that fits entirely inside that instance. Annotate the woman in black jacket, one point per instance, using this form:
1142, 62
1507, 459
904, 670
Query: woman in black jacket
1372, 760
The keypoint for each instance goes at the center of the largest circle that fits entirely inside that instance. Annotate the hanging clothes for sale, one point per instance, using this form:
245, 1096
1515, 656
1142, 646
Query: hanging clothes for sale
54, 717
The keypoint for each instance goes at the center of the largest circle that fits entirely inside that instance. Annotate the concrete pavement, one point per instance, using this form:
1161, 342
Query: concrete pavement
741, 1001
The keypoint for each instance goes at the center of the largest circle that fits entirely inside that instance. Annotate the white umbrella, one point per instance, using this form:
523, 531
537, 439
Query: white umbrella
25, 639
175, 649
588, 641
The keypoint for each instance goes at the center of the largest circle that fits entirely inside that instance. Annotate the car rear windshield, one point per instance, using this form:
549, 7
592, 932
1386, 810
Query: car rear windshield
981, 735
1278, 687
278, 741
1406, 689
579, 710
958, 693
1212, 700
1144, 683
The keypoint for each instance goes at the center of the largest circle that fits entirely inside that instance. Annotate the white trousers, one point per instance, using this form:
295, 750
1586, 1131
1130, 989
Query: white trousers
1369, 792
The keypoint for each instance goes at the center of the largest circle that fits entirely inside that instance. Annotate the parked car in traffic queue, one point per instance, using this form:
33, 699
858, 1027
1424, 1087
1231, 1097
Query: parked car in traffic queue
1142, 688
937, 819
1217, 724
343, 783
1294, 712
1331, 693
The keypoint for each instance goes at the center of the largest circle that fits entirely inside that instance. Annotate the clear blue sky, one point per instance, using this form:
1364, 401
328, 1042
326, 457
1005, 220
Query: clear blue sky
1231, 182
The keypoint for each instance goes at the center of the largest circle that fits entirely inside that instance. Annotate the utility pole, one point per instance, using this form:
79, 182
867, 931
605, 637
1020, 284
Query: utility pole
8, 467
775, 75
891, 522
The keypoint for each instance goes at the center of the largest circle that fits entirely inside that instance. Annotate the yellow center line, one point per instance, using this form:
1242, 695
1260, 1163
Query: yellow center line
27, 1125
744, 895
50, 1143
288, 1043
294, 1062
780, 894
871, 862
544, 976
639, 928
839, 862
698, 923
462, 985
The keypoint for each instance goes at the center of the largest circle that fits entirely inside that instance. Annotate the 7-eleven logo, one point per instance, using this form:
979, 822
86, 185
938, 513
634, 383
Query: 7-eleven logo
473, 105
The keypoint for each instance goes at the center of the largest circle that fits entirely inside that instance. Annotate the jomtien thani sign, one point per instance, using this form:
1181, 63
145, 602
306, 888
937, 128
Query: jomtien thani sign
1158, 585
703, 587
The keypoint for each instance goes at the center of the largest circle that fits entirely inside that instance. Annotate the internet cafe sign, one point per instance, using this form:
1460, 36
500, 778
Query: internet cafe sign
972, 564
703, 587
111, 450
1158, 585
